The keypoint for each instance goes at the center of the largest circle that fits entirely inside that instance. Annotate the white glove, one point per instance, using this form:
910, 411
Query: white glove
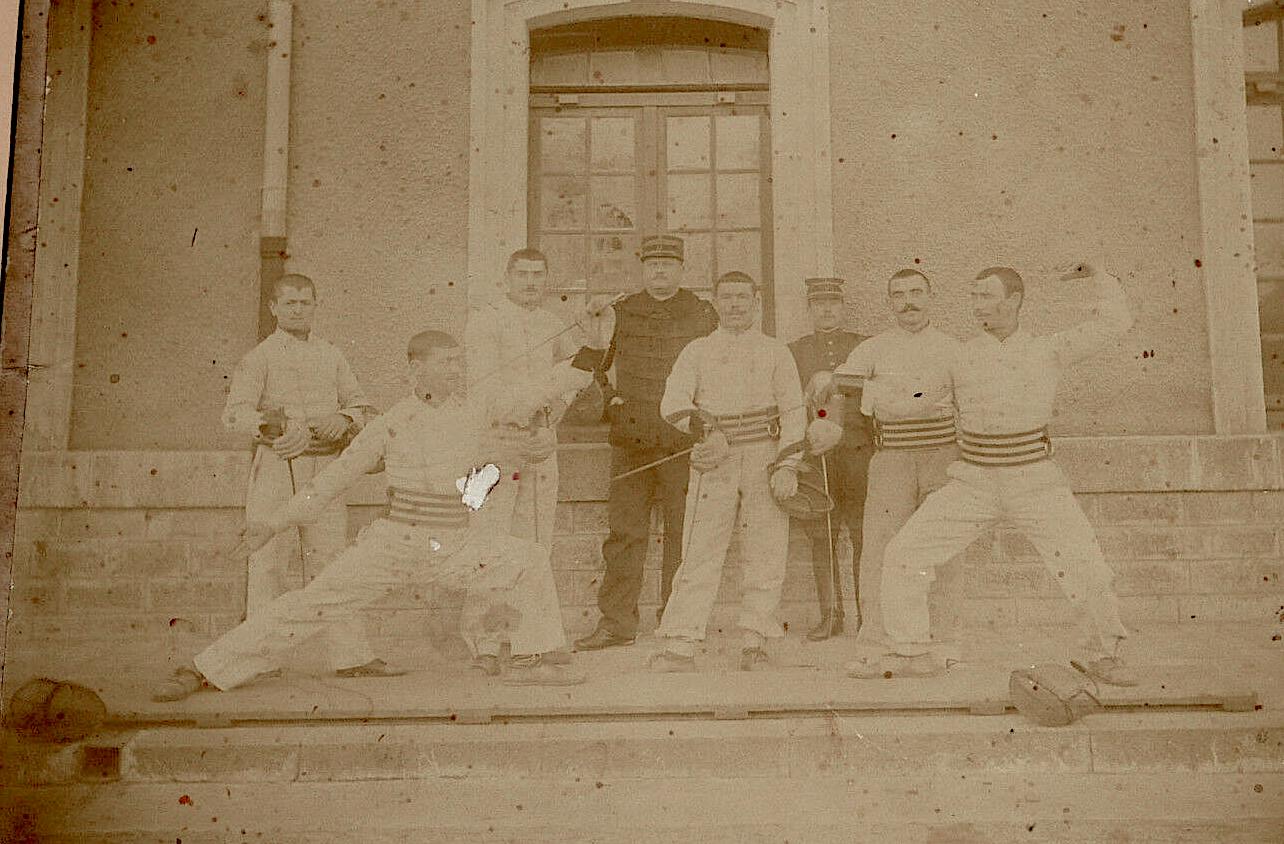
819, 388
710, 452
293, 442
823, 434
784, 482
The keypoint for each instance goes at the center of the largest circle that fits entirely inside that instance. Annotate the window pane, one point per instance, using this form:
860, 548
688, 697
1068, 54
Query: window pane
614, 202
1268, 248
688, 202
687, 143
563, 69
563, 203
740, 251
738, 201
616, 67
697, 269
566, 259
613, 264
684, 67
613, 145
561, 144
745, 66
1268, 190
1260, 52
1264, 132
1273, 368
739, 138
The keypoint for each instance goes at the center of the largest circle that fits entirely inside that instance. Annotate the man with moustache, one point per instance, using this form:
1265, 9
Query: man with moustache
1005, 384
519, 358
845, 466
296, 396
905, 372
520, 362
651, 328
737, 390
441, 528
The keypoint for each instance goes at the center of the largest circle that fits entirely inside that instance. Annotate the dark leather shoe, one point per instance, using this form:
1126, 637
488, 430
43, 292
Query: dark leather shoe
830, 625
373, 668
602, 638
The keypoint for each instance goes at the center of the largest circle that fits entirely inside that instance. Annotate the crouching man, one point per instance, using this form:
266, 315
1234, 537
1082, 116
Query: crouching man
447, 524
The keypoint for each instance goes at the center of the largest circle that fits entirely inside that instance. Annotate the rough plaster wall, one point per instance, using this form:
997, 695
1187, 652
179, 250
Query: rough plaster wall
1022, 133
169, 258
379, 175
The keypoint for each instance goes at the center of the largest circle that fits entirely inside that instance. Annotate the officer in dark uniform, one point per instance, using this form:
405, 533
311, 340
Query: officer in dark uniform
847, 465
651, 327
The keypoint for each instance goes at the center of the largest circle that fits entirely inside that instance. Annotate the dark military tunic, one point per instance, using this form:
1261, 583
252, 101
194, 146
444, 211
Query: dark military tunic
649, 334
847, 464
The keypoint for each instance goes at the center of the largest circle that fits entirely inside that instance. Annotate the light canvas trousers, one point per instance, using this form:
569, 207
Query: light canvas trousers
388, 556
899, 481
268, 569
1037, 500
737, 491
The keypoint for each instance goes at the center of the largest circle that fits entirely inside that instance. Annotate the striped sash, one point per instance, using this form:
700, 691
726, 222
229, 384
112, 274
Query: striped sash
914, 433
1005, 449
753, 426
426, 508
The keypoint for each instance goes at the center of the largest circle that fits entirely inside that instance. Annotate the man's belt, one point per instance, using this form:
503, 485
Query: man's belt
316, 448
905, 434
1005, 449
426, 508
752, 426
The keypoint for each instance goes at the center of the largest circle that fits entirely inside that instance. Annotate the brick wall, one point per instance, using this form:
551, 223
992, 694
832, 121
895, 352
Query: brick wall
133, 549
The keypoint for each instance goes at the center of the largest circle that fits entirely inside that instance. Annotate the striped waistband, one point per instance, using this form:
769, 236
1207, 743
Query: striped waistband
752, 426
426, 508
314, 449
1005, 449
914, 433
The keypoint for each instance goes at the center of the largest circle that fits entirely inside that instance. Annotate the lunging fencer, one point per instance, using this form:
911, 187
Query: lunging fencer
435, 445
902, 379
297, 397
1005, 384
844, 467
737, 390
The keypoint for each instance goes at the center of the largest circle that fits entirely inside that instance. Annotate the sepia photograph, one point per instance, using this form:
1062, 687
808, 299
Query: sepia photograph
643, 421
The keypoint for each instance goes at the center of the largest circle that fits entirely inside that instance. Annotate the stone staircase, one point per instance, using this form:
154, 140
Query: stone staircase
1134, 777
795, 754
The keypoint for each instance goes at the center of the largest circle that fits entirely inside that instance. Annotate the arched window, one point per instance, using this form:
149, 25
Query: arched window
647, 125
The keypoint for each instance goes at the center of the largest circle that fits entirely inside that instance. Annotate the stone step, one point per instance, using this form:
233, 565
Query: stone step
918, 807
860, 746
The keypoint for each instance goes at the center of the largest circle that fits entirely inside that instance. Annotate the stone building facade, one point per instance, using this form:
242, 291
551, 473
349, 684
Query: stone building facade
413, 145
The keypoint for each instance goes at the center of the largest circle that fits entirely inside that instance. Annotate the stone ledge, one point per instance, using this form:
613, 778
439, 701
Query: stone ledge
126, 479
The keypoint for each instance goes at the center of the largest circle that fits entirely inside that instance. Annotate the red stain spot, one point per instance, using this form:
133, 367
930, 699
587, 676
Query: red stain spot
821, 413
517, 476
1198, 263
184, 800
151, 39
